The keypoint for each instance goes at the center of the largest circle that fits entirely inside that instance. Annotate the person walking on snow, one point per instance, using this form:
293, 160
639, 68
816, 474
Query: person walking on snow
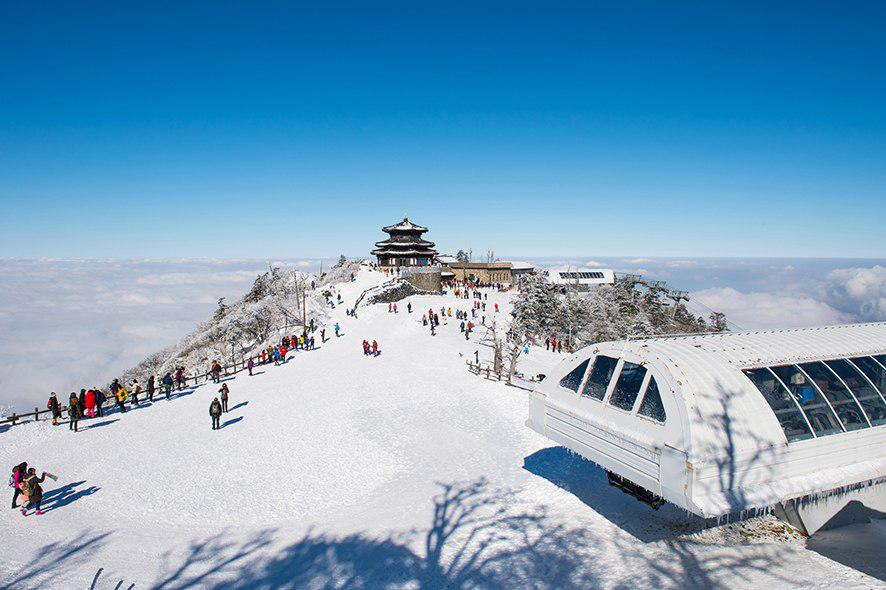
18, 477
52, 406
215, 411
336, 329
74, 412
151, 388
90, 403
249, 365
167, 384
100, 398
135, 389
121, 398
374, 348
224, 397
409, 307
31, 487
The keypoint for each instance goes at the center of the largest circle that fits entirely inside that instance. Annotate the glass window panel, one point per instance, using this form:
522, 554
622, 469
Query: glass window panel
627, 388
601, 374
651, 406
784, 408
873, 370
573, 379
815, 407
844, 404
882, 359
867, 396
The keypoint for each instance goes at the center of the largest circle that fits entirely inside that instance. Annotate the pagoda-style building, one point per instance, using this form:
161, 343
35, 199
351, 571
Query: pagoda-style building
405, 246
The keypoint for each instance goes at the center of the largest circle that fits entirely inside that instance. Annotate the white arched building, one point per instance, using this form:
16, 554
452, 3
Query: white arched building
723, 423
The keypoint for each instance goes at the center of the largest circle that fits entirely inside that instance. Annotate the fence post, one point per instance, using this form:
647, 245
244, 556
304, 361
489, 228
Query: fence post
14, 417
36, 414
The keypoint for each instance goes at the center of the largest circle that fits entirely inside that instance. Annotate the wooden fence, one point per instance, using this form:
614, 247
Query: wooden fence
232, 369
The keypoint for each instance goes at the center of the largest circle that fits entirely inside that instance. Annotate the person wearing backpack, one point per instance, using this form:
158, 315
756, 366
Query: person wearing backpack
52, 406
167, 384
31, 487
224, 397
16, 479
74, 412
215, 411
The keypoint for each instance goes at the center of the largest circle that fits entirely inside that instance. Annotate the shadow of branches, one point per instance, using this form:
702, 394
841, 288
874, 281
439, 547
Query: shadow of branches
477, 538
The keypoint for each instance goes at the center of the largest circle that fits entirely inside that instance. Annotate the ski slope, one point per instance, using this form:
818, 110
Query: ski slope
339, 470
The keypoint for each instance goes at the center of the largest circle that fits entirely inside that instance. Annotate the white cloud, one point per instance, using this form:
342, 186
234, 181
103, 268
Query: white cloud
859, 291
758, 311
195, 278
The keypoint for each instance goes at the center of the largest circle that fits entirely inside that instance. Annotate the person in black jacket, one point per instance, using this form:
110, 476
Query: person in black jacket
151, 388
100, 398
53, 407
215, 411
32, 488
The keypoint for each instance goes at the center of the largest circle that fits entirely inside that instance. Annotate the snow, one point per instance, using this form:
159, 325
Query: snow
341, 470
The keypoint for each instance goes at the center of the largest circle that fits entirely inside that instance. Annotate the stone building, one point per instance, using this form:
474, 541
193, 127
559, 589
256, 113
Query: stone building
482, 272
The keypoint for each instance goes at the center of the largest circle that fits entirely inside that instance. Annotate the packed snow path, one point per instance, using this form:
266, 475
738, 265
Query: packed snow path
342, 470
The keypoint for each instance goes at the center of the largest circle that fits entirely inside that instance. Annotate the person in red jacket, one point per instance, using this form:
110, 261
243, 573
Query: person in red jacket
374, 348
90, 403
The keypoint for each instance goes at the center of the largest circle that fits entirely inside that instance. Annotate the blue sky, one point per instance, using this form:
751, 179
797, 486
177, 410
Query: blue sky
546, 129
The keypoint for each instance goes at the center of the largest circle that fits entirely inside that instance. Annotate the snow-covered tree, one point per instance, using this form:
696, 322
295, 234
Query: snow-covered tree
462, 256
624, 309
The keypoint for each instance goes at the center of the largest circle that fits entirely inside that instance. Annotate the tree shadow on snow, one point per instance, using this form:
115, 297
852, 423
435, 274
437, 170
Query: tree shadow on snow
478, 537
589, 483
53, 560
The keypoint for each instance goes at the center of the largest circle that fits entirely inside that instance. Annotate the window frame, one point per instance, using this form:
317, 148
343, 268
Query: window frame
825, 398
590, 371
793, 399
614, 382
581, 382
865, 375
849, 389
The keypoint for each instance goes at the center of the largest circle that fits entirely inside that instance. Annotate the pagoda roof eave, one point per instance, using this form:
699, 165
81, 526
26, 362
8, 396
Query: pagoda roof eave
404, 252
404, 226
395, 243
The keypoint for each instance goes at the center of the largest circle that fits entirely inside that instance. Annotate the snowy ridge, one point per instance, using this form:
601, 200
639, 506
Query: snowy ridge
339, 470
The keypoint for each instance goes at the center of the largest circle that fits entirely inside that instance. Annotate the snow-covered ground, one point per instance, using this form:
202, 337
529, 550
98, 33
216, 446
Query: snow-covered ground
340, 470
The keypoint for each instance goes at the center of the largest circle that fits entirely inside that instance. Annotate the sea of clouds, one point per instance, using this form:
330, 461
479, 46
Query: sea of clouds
66, 324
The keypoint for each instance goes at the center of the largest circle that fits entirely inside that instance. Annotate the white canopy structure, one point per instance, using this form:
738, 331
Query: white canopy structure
723, 423
579, 278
